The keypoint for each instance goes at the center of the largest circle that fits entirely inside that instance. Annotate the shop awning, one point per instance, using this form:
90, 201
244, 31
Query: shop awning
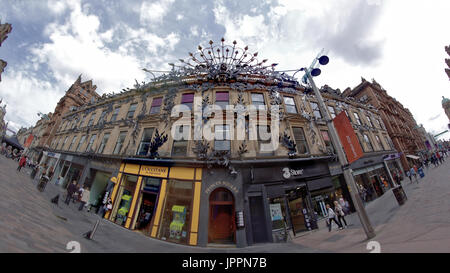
321, 183
413, 157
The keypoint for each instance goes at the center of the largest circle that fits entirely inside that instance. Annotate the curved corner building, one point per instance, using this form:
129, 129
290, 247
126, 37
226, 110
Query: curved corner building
237, 173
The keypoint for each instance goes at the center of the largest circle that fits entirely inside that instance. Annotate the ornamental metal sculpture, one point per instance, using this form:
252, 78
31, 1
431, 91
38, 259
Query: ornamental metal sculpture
157, 142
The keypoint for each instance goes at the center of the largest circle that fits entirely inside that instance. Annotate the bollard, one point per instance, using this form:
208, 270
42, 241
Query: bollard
90, 234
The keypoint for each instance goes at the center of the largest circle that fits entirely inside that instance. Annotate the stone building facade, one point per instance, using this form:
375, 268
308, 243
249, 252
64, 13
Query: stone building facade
400, 123
244, 192
446, 106
80, 93
447, 61
5, 29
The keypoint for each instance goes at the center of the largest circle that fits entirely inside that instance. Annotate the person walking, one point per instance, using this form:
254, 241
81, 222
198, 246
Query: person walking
84, 198
71, 189
22, 162
413, 173
332, 217
339, 211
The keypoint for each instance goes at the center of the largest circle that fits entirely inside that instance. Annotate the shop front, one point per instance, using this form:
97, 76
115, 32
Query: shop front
371, 177
160, 201
394, 166
280, 199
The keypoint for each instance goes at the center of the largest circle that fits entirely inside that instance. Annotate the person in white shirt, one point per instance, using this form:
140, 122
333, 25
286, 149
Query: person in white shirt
332, 217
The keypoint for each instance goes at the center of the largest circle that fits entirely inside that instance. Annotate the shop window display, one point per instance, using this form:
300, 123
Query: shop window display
124, 199
147, 203
176, 213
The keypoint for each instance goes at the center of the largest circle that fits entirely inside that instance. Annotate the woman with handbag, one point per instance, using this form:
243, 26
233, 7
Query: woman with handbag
332, 217
340, 213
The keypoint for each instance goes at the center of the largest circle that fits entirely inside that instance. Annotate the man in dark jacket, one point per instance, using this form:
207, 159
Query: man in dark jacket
71, 189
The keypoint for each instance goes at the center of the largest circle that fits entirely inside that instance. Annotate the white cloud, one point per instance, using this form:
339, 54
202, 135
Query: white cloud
153, 12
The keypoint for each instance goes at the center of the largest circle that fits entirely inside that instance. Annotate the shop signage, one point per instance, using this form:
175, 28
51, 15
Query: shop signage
154, 171
348, 138
275, 212
240, 219
29, 140
218, 184
287, 173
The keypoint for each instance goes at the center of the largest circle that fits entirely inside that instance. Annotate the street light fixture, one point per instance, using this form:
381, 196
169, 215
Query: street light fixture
311, 72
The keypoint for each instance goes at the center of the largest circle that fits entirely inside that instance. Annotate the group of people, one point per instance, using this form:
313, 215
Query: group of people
75, 193
338, 213
82, 194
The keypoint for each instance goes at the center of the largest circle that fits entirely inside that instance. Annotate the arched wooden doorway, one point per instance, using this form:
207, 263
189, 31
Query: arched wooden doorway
222, 229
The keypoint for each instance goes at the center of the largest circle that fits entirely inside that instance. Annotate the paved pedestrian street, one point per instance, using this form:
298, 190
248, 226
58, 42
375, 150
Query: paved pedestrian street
30, 223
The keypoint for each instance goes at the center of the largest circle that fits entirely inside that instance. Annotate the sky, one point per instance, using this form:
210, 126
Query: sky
398, 43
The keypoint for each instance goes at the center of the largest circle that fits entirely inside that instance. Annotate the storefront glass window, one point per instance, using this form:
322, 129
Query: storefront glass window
278, 213
176, 212
147, 204
124, 199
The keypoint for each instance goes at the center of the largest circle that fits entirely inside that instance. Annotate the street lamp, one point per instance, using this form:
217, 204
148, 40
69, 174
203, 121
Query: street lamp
308, 77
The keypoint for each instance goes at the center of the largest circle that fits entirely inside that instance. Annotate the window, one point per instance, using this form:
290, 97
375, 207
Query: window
358, 120
178, 203
119, 143
74, 123
131, 111
91, 141
222, 99
316, 110
82, 121
300, 140
80, 143
91, 120
369, 143
332, 111
222, 138
156, 105
258, 100
73, 141
290, 105
389, 141
369, 121
379, 142
102, 117
381, 124
103, 143
144, 146
179, 147
187, 99
121, 209
115, 113
327, 140
264, 137
64, 143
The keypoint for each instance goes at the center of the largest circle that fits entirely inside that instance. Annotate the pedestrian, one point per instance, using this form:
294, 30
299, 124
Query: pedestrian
107, 207
58, 180
408, 174
332, 217
413, 173
71, 189
22, 162
339, 211
84, 198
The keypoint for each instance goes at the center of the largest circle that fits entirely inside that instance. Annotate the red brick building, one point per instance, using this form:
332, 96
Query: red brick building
80, 93
399, 122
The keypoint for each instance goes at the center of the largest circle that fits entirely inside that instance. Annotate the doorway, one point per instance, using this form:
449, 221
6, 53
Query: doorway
222, 229
297, 207
146, 212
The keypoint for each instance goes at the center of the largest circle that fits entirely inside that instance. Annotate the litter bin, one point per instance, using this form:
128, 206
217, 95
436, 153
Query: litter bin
400, 195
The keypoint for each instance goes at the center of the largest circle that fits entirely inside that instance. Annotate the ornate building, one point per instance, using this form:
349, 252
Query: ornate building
446, 106
400, 123
447, 61
268, 165
79, 93
5, 29
2, 119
